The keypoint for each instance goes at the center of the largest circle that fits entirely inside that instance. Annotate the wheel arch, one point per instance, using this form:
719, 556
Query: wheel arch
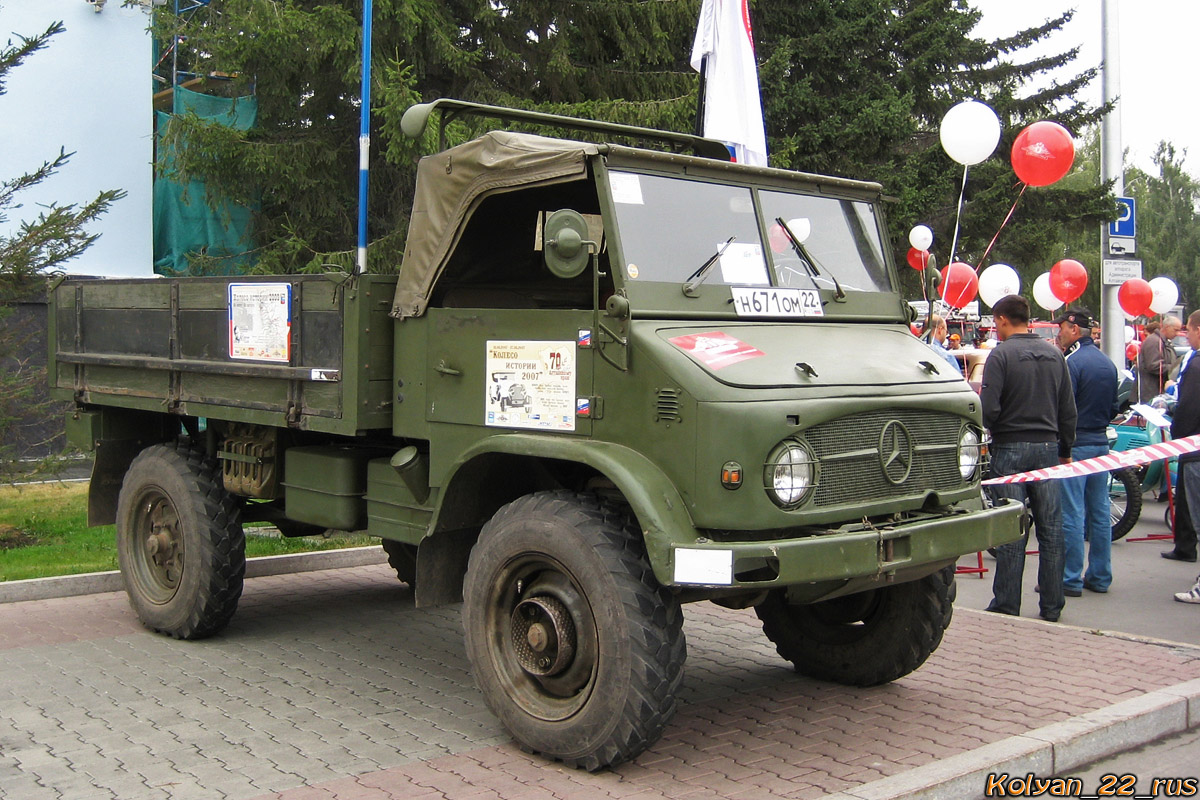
500, 469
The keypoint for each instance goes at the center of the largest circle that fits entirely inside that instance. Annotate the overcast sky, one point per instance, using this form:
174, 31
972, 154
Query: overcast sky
1158, 58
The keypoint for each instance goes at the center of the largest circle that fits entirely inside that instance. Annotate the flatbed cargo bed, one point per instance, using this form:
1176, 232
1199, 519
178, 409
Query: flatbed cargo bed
312, 352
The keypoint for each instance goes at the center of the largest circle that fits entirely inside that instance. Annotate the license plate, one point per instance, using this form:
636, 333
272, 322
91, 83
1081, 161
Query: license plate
772, 302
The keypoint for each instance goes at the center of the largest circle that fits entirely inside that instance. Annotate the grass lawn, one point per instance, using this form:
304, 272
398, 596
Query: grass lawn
44, 532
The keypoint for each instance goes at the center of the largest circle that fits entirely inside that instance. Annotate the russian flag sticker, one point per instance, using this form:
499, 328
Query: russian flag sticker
583, 407
584, 339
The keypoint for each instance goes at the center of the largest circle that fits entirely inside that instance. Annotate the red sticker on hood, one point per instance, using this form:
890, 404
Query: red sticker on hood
715, 349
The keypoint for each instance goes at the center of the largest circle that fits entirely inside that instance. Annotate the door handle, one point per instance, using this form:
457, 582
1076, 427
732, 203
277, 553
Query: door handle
443, 368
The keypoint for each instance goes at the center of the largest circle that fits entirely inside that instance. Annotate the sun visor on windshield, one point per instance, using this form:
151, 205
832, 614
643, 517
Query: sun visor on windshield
451, 185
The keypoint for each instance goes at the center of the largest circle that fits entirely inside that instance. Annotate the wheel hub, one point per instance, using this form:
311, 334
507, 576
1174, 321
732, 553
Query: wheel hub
543, 635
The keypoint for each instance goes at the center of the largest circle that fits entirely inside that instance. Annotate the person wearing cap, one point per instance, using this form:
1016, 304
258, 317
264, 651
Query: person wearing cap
1029, 409
1085, 504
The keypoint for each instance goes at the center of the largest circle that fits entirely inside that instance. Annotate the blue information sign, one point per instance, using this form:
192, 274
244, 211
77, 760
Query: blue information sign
1126, 224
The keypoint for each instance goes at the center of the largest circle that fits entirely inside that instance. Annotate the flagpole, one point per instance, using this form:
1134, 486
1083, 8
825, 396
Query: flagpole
700, 97
364, 138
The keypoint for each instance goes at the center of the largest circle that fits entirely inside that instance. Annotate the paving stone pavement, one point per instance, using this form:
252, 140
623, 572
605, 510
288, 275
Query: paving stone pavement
330, 685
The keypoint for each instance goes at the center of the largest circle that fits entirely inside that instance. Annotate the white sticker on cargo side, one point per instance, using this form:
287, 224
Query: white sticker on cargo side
530, 384
260, 321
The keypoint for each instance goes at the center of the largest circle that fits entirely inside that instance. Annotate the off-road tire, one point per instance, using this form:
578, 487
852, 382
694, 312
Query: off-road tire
613, 697
402, 557
1124, 518
180, 543
864, 639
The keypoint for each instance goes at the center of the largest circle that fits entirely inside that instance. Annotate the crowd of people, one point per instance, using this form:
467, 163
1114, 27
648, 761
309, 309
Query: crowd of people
1045, 405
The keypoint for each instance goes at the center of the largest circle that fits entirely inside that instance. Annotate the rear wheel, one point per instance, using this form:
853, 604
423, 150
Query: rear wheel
863, 639
574, 645
1125, 500
180, 542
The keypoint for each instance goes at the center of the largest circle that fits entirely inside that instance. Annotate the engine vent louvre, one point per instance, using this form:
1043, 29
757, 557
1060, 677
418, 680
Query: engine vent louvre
666, 407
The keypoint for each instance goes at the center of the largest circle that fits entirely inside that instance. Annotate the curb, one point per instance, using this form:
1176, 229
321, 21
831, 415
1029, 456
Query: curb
95, 582
1049, 751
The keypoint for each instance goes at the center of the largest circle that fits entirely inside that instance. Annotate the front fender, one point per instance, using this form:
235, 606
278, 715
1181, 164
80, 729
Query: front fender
660, 510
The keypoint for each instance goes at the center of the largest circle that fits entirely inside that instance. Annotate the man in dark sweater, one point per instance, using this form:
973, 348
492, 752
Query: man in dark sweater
1085, 504
1029, 408
1186, 422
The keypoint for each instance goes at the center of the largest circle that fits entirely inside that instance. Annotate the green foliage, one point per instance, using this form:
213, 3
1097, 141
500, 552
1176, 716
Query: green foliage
1168, 223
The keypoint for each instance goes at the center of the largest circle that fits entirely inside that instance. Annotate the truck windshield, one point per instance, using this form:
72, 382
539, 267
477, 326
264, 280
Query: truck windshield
669, 226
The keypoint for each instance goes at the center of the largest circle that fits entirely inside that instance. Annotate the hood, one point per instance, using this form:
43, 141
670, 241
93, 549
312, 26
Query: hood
797, 356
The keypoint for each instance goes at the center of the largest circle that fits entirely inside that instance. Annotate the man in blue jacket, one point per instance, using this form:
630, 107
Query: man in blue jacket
1085, 504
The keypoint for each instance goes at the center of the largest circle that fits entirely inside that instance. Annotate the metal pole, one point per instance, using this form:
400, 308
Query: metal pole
364, 138
1112, 321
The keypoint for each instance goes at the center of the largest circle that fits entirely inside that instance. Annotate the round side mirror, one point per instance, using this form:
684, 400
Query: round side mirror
563, 243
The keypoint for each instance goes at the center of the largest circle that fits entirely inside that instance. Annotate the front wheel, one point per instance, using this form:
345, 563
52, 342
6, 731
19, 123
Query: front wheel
573, 643
180, 543
862, 639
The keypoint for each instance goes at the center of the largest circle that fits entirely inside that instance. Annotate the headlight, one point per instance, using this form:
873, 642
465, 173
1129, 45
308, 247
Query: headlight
969, 453
789, 473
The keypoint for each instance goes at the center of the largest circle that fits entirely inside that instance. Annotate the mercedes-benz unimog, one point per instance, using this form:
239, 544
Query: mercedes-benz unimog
606, 381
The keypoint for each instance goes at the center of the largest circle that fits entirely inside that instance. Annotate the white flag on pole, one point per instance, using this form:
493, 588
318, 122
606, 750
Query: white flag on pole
732, 106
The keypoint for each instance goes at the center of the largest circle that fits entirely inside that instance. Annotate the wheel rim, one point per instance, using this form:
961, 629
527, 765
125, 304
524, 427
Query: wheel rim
542, 637
156, 546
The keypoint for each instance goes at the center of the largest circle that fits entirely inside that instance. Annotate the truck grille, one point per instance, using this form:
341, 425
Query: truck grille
855, 469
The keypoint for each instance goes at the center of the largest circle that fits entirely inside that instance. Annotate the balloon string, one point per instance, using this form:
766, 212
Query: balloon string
958, 215
1020, 194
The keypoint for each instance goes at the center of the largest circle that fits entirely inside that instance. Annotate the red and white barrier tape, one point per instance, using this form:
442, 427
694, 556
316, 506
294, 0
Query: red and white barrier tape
1118, 460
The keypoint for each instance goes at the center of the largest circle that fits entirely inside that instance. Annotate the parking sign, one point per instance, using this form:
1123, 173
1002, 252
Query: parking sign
1126, 224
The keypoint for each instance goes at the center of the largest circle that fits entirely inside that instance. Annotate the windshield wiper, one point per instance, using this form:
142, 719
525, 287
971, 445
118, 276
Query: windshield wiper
696, 278
809, 262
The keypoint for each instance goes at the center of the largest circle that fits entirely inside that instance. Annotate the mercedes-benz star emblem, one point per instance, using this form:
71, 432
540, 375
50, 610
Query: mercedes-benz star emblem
895, 452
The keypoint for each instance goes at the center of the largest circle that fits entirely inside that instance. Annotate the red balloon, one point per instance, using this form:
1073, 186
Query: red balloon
918, 259
1135, 297
959, 284
1131, 351
1068, 280
1043, 153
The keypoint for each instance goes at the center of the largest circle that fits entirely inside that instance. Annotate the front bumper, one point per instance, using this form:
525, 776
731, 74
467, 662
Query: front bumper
861, 553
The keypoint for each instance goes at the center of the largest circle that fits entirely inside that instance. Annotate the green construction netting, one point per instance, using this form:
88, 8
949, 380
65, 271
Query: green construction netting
185, 222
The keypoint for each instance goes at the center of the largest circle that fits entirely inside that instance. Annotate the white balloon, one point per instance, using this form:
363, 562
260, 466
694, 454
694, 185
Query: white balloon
1042, 294
921, 237
801, 228
1129, 334
1166, 294
997, 281
970, 132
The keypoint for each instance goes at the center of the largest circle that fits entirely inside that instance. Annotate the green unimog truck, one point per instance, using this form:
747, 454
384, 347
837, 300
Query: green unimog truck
607, 381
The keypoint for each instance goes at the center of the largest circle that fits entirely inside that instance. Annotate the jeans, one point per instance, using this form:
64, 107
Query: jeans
1043, 499
1086, 514
1187, 508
